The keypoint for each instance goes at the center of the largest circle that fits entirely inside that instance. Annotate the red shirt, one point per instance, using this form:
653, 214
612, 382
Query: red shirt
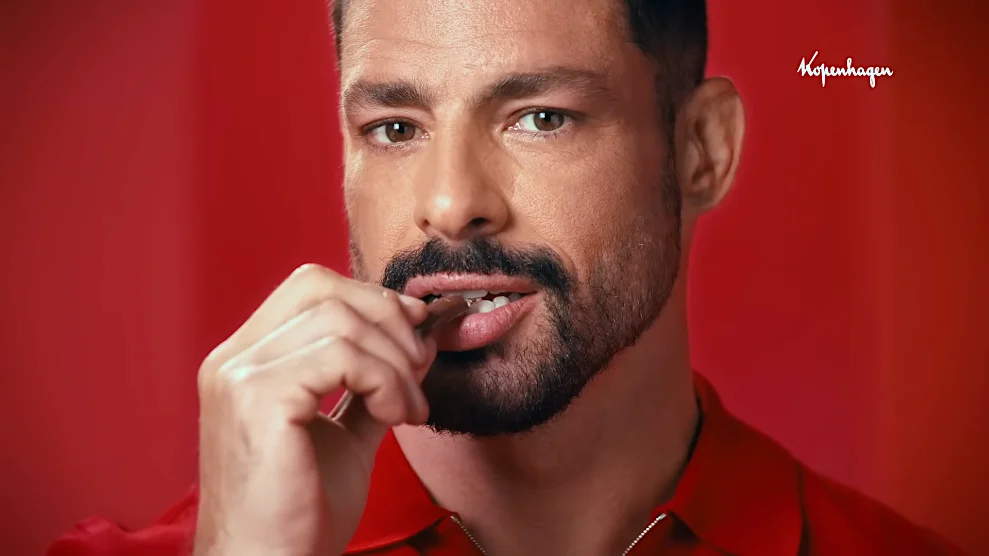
741, 494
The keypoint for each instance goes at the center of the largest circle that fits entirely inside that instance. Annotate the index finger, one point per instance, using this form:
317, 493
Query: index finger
312, 284
350, 410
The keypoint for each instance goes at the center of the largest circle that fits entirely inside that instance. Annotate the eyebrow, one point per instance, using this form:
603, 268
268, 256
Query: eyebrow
391, 94
408, 94
530, 84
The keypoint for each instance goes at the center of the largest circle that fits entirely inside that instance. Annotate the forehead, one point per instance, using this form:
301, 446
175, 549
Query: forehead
448, 40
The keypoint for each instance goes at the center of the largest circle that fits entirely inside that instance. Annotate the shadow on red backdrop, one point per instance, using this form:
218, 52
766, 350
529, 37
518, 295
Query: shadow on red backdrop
156, 187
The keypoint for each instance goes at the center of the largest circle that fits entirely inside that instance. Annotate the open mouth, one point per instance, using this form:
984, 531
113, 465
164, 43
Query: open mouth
480, 301
496, 304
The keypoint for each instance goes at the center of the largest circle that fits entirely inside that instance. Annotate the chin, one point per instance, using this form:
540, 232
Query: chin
508, 387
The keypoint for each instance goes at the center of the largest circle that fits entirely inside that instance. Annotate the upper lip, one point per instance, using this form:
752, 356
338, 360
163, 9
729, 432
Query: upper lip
421, 286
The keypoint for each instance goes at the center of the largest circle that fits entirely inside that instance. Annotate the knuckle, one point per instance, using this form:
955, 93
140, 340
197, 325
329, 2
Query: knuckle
315, 278
233, 383
311, 270
330, 308
389, 295
340, 319
206, 371
392, 307
211, 364
234, 378
351, 326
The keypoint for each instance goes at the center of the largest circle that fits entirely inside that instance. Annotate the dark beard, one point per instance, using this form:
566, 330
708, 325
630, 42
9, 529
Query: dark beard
521, 382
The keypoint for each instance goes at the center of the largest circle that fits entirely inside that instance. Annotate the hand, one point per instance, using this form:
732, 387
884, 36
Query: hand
277, 477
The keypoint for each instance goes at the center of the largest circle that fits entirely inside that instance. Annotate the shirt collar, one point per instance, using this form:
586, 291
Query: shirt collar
398, 505
739, 491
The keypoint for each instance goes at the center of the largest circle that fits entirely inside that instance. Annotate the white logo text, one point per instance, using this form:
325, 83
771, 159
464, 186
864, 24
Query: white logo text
823, 71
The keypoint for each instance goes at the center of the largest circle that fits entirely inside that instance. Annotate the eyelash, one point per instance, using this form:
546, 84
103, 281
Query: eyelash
571, 119
365, 133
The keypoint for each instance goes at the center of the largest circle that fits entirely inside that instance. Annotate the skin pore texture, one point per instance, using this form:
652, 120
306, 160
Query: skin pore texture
525, 137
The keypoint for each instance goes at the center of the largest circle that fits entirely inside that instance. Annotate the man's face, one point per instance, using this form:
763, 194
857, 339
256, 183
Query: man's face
518, 139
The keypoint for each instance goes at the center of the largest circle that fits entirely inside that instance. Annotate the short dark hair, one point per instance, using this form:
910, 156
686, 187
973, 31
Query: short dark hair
673, 33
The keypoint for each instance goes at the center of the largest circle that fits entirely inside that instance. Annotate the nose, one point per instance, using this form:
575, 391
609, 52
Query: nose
457, 194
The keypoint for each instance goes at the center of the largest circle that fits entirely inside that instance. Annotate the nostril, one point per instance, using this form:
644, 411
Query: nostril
478, 223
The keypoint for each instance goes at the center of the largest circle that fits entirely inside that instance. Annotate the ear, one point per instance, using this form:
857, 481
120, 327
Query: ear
708, 144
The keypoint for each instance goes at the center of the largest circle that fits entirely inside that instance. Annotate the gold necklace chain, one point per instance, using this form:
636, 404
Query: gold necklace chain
649, 527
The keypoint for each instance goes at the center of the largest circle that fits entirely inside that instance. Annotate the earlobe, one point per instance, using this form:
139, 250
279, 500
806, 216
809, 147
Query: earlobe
708, 140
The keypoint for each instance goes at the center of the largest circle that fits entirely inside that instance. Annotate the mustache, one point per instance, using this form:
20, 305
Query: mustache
479, 255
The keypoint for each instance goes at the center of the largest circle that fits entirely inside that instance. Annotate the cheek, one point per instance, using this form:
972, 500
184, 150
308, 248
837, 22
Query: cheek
587, 209
379, 219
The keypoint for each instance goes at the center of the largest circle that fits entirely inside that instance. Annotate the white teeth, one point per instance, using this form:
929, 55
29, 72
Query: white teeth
483, 306
475, 297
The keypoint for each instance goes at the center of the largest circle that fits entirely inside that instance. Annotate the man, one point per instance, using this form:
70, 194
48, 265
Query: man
551, 158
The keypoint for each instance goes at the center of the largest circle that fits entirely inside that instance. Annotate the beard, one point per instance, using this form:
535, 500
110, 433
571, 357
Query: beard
524, 380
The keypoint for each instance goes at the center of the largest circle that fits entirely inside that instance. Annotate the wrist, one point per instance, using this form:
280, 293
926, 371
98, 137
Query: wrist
231, 548
226, 545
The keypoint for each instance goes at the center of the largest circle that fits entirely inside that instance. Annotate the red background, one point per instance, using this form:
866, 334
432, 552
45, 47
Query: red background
164, 167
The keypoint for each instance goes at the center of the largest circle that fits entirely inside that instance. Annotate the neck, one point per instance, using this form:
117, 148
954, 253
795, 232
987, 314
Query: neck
587, 482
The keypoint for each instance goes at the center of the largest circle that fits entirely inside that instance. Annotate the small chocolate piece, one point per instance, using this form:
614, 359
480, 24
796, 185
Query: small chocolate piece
442, 311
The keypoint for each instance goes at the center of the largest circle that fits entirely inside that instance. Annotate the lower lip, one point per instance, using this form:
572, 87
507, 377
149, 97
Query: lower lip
480, 329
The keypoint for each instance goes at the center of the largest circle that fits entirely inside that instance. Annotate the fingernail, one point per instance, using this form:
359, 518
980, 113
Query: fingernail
410, 301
